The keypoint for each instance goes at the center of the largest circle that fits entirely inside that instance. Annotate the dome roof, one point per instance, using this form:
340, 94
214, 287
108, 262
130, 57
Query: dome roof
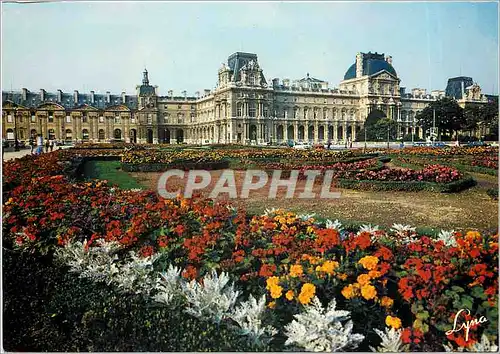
371, 66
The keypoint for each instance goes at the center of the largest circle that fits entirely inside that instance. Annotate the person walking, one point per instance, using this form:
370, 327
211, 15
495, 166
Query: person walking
32, 144
51, 144
39, 144
47, 144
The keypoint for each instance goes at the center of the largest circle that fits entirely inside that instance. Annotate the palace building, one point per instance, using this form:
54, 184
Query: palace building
243, 108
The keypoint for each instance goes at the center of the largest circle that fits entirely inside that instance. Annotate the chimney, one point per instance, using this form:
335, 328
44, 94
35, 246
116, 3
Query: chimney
170, 94
25, 94
75, 96
123, 97
108, 97
156, 90
388, 59
59, 96
402, 91
92, 97
359, 64
185, 95
207, 92
197, 94
276, 82
42, 94
463, 89
286, 82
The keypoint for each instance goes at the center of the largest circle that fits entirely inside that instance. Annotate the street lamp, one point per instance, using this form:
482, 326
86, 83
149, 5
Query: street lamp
388, 128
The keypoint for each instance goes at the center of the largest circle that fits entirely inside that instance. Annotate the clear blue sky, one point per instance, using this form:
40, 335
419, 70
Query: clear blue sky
105, 46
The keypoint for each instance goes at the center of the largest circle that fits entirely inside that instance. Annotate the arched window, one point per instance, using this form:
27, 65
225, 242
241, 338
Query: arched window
10, 134
295, 112
52, 134
85, 134
69, 135
118, 134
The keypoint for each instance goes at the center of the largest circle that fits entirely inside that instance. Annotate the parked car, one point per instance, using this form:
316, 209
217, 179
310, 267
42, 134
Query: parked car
476, 143
302, 146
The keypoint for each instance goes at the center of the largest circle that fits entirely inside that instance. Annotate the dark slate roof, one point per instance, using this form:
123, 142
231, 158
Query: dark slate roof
33, 100
311, 80
146, 90
372, 64
454, 86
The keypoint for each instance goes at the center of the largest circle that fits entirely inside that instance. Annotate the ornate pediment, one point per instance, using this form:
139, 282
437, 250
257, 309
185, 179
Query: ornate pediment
9, 105
384, 75
86, 108
120, 107
51, 107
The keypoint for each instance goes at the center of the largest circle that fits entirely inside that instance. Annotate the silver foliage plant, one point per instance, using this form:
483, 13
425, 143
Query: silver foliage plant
213, 299
448, 238
249, 315
135, 275
318, 330
479, 347
169, 286
336, 225
391, 341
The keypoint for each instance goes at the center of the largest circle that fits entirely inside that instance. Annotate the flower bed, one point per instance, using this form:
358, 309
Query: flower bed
447, 151
479, 164
285, 268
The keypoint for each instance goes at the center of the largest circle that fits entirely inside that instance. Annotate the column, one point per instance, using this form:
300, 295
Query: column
316, 132
353, 132
335, 132
344, 131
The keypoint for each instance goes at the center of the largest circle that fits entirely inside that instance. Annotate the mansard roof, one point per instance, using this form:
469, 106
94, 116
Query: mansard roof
34, 100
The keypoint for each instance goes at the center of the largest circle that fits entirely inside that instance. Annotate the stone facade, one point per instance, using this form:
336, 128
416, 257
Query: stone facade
243, 108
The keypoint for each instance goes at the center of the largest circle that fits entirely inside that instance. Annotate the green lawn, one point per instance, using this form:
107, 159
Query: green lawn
112, 172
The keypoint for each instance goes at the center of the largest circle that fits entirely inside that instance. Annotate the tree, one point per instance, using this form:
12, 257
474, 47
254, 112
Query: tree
449, 116
376, 129
472, 116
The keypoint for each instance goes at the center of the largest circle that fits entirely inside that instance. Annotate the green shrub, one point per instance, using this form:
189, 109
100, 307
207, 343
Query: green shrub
48, 309
408, 186
159, 167
493, 193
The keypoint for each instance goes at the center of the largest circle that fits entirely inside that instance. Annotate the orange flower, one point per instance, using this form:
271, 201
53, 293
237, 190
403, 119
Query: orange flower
368, 292
363, 279
349, 291
386, 301
329, 267
369, 262
342, 276
276, 291
289, 295
272, 304
296, 270
374, 274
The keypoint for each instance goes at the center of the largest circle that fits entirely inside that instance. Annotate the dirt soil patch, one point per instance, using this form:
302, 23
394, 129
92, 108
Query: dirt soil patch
469, 209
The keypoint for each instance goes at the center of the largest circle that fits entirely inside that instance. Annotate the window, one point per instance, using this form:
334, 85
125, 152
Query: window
118, 119
324, 113
9, 118
166, 117
150, 119
68, 119
101, 135
265, 111
84, 118
315, 113
180, 118
239, 109
85, 134
192, 117
52, 134
305, 113
118, 134
179, 106
101, 119
295, 112
251, 110
69, 135
132, 120
51, 119
10, 134
33, 118
251, 79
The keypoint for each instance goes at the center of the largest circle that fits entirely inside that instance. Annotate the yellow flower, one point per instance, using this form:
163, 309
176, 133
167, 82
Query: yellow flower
272, 304
393, 322
329, 267
272, 281
349, 291
296, 270
386, 301
368, 292
369, 262
306, 293
364, 279
276, 291
374, 274
472, 235
289, 295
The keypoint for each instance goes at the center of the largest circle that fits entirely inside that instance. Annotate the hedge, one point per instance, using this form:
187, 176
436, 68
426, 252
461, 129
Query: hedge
408, 186
458, 166
493, 193
48, 309
160, 167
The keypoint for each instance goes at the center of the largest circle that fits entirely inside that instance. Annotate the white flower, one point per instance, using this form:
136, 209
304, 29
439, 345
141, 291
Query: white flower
402, 229
271, 211
212, 299
305, 217
368, 228
135, 274
135, 190
249, 316
450, 348
317, 330
391, 341
448, 238
336, 225
483, 346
